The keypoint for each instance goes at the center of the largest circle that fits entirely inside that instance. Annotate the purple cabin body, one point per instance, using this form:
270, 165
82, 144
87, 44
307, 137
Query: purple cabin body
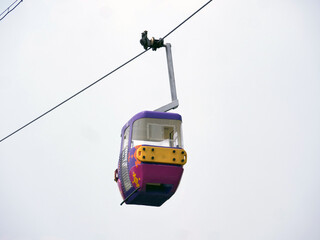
151, 158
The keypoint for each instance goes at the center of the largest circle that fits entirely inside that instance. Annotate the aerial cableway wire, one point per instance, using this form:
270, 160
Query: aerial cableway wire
116, 69
8, 10
187, 19
74, 95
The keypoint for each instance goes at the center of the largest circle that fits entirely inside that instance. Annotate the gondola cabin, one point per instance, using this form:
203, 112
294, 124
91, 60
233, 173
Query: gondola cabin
151, 158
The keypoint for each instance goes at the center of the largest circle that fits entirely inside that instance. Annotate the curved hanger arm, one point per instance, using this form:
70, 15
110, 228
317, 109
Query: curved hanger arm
175, 103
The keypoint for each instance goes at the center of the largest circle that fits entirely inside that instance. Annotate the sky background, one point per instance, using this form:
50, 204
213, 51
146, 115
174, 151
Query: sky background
248, 81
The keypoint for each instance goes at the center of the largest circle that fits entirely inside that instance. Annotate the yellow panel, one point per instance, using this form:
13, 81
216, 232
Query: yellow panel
162, 155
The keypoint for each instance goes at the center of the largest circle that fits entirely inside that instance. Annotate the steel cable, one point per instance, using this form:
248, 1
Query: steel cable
82, 90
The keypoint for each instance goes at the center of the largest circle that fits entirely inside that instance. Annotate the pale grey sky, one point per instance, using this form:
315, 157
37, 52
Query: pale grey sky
248, 82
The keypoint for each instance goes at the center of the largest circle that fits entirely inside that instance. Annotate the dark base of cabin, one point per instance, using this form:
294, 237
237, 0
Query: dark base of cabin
154, 195
149, 200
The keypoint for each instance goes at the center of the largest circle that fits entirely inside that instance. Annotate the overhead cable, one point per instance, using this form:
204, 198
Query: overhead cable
187, 19
9, 9
76, 94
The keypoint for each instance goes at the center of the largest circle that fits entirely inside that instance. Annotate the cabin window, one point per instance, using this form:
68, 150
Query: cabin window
158, 132
126, 138
124, 161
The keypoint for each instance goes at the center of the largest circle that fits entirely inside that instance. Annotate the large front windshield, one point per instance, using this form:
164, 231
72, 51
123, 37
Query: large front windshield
158, 132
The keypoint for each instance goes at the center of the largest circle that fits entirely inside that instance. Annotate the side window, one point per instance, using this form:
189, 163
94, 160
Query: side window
126, 138
124, 161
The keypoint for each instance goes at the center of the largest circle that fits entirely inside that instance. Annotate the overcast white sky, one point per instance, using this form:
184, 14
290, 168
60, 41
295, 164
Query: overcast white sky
248, 81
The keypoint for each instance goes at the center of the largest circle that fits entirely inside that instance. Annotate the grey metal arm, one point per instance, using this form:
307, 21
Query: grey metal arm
175, 103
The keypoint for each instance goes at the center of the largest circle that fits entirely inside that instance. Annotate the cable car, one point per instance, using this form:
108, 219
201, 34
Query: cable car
151, 158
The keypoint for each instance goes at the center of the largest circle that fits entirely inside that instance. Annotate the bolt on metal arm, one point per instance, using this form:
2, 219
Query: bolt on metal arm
175, 103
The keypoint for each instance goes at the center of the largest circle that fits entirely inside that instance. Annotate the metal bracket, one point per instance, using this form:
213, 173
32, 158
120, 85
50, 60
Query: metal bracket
150, 43
175, 103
